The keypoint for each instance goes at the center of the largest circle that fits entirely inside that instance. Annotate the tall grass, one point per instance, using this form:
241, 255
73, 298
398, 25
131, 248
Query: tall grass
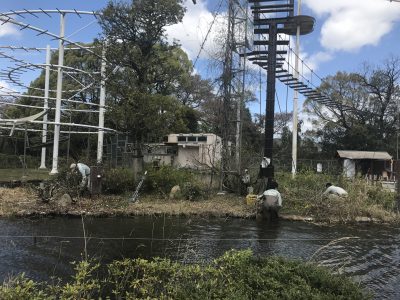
303, 195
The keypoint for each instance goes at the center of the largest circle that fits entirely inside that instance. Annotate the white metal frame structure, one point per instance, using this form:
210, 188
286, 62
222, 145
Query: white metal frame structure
12, 75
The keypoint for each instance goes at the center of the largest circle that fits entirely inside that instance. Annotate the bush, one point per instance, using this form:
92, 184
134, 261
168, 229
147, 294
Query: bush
191, 191
117, 181
235, 275
161, 180
15, 161
22, 288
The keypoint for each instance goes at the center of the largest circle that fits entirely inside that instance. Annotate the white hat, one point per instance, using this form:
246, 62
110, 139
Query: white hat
72, 166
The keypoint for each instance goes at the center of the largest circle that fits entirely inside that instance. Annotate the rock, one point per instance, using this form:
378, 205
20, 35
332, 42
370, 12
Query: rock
363, 219
174, 192
64, 201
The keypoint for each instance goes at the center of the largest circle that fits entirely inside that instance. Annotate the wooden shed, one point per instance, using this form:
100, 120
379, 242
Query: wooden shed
372, 164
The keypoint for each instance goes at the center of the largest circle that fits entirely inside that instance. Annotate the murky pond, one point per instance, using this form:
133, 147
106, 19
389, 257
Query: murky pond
45, 247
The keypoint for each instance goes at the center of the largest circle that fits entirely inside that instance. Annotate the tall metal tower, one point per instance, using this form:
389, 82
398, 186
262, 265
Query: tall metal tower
233, 85
273, 18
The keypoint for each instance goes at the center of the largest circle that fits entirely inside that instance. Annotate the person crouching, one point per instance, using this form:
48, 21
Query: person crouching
270, 202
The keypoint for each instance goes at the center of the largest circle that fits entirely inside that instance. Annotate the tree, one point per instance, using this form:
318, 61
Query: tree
152, 92
364, 115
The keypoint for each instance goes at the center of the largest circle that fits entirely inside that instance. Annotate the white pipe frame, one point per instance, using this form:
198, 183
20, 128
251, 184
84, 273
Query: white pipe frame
54, 169
100, 137
13, 76
45, 106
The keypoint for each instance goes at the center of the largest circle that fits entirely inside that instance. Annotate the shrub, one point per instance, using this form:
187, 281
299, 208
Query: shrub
235, 275
161, 180
118, 181
191, 191
22, 288
15, 161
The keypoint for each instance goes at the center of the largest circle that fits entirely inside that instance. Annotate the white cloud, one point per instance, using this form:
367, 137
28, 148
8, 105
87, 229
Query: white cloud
4, 85
8, 29
193, 29
352, 24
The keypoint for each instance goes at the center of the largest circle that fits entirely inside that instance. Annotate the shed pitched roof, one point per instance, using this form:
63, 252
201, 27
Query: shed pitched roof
377, 155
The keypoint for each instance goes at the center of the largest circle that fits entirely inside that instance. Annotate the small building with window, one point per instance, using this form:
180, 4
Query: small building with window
188, 150
373, 165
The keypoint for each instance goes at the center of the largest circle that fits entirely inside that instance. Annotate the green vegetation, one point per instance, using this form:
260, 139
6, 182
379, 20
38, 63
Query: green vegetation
8, 175
235, 275
303, 196
159, 182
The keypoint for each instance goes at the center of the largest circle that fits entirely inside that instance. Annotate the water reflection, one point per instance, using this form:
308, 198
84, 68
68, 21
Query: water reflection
373, 257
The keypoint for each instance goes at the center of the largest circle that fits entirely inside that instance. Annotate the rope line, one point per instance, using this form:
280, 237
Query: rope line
207, 34
184, 239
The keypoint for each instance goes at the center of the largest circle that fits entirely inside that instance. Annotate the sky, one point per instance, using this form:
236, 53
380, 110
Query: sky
347, 34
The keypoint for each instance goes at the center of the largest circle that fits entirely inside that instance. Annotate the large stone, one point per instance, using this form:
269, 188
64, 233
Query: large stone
175, 191
64, 201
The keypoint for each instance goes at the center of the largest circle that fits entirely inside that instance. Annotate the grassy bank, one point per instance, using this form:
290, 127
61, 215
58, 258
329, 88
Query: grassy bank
302, 199
235, 275
24, 202
8, 175
303, 196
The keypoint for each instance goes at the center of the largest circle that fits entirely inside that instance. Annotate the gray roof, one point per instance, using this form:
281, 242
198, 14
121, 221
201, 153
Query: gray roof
364, 155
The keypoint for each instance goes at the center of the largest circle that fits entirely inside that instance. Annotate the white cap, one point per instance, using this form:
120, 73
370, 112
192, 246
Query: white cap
72, 166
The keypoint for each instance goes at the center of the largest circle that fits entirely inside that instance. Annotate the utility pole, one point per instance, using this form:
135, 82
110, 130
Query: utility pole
296, 97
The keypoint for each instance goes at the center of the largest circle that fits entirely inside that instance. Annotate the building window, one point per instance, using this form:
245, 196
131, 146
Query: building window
192, 139
202, 139
172, 151
181, 138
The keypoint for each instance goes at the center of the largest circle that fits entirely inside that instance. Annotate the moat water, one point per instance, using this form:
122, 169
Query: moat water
42, 248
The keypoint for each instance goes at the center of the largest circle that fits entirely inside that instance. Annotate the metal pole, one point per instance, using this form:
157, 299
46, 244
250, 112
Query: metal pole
58, 95
227, 84
100, 136
24, 161
239, 107
45, 107
270, 105
296, 97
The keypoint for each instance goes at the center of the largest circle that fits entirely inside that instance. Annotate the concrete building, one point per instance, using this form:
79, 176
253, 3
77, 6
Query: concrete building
197, 150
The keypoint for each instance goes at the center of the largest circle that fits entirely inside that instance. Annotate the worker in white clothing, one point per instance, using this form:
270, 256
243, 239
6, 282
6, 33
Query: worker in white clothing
333, 191
84, 170
270, 201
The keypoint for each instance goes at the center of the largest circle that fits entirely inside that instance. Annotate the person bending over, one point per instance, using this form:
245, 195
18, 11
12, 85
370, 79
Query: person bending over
333, 191
270, 201
84, 170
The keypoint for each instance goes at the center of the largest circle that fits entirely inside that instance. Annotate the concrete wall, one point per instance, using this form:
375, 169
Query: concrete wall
191, 151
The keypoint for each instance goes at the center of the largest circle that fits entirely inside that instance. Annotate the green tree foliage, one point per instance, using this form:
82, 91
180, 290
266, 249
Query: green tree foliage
364, 116
154, 91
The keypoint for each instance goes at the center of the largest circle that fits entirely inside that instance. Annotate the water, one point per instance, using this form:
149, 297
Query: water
368, 253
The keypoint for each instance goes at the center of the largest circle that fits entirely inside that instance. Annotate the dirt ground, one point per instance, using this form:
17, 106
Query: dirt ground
25, 202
